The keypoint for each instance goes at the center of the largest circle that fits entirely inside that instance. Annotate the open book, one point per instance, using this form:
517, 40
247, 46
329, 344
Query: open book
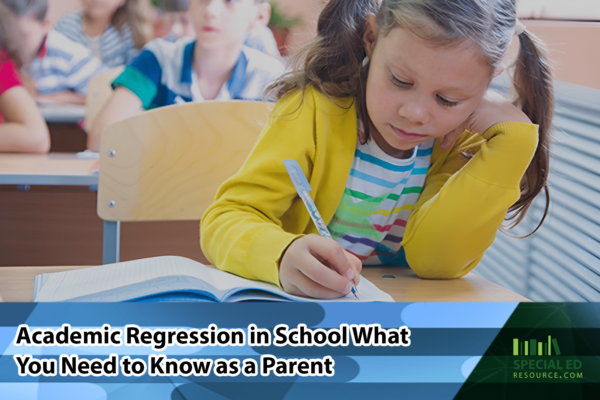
169, 278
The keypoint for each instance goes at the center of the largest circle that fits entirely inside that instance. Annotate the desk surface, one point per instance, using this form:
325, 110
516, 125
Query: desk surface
16, 284
46, 169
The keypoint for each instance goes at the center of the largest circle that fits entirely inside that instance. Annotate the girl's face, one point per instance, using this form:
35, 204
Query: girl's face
33, 32
416, 92
101, 9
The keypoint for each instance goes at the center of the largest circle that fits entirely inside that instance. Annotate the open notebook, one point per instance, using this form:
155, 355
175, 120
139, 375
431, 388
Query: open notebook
169, 278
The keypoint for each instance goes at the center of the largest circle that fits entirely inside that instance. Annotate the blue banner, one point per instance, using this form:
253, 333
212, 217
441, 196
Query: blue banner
289, 350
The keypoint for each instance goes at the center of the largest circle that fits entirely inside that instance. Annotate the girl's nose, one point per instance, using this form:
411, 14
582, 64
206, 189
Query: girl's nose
415, 110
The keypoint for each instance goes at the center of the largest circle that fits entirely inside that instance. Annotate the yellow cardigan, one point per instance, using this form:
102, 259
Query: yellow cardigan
257, 212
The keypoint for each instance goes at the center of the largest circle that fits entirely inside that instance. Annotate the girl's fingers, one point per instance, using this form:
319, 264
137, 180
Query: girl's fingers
356, 264
330, 253
325, 276
310, 288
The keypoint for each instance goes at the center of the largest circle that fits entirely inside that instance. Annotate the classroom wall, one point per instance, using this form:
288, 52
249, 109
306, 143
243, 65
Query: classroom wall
573, 49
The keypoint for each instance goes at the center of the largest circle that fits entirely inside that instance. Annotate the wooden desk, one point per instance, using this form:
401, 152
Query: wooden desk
16, 284
46, 169
53, 221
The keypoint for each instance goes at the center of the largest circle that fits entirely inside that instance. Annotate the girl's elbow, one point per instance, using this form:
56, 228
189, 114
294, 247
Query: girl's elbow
42, 146
440, 267
40, 142
433, 271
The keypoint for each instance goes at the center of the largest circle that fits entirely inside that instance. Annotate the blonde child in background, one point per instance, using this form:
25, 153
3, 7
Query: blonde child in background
410, 162
22, 127
213, 66
113, 30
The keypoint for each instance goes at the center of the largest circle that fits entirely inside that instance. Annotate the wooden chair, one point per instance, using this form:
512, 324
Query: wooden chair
99, 91
167, 164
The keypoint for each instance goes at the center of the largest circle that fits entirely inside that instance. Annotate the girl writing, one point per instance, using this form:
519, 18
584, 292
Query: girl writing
411, 162
114, 30
22, 29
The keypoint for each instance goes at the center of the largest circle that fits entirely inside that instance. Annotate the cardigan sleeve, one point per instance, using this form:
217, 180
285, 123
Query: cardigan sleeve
464, 203
242, 231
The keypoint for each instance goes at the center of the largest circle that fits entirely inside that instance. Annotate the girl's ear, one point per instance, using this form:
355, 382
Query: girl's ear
370, 35
498, 71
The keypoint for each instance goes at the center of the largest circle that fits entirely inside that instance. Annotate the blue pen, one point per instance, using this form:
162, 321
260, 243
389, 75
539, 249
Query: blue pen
303, 187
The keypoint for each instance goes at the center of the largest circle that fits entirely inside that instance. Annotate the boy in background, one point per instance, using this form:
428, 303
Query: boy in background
213, 66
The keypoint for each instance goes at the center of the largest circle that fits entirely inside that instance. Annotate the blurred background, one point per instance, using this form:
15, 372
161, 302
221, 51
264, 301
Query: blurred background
561, 262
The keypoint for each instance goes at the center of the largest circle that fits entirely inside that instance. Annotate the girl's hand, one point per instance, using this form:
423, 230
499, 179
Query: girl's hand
493, 109
314, 266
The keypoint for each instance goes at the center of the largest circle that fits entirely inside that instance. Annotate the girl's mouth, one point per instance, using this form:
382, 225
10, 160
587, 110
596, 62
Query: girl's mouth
407, 136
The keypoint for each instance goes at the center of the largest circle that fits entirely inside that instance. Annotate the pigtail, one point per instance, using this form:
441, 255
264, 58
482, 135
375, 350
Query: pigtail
136, 14
332, 61
532, 81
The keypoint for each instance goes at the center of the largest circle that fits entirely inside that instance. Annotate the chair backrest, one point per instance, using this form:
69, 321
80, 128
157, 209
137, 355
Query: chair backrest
167, 164
99, 91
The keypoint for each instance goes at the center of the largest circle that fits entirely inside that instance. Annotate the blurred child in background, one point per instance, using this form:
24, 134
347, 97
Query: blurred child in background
113, 30
22, 127
214, 66
180, 25
62, 70
177, 21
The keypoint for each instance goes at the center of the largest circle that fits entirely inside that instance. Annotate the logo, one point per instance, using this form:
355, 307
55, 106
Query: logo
535, 348
542, 359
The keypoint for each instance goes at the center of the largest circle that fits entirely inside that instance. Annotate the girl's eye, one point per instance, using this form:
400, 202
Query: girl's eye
445, 102
398, 82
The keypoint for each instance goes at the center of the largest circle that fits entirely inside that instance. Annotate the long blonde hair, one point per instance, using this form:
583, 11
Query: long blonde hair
333, 61
136, 14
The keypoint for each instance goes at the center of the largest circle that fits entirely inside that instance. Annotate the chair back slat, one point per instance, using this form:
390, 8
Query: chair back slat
168, 163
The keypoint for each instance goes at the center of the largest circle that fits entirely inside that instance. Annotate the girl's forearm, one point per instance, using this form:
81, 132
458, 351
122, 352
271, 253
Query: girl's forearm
448, 233
24, 128
64, 97
20, 138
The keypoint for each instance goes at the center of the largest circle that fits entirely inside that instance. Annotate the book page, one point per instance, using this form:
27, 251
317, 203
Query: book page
134, 279
62, 286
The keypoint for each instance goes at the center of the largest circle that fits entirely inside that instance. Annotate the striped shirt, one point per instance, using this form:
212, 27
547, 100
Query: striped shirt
65, 66
115, 47
379, 197
163, 74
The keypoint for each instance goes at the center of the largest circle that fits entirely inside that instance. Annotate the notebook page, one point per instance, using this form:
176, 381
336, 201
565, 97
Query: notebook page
367, 292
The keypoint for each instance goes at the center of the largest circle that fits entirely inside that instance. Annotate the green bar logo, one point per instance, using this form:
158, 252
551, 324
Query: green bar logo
533, 347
